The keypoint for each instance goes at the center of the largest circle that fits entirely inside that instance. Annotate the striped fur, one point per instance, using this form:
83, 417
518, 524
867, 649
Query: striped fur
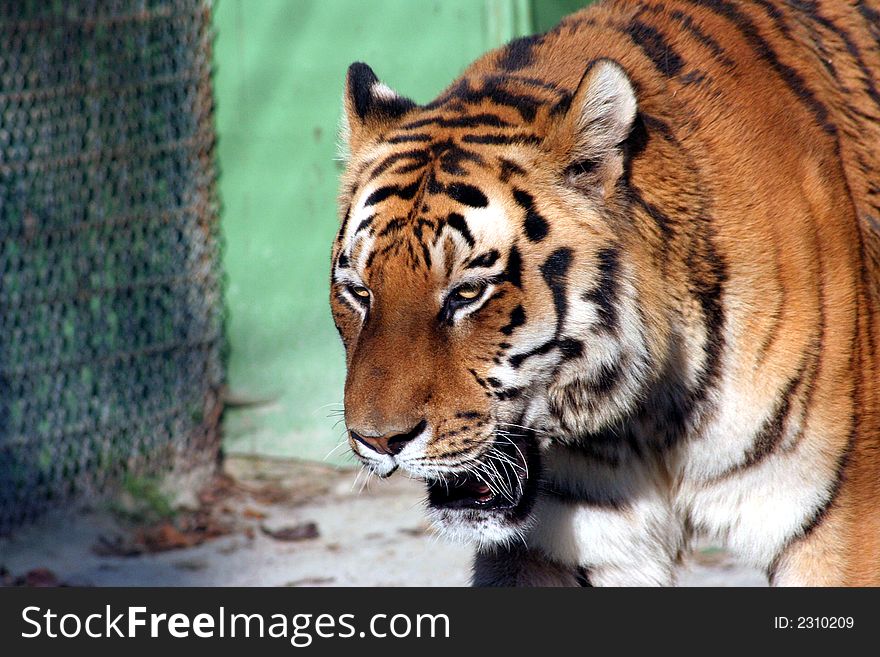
625, 276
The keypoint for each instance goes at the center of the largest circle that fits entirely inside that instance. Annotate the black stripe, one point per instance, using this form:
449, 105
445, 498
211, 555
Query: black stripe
843, 460
574, 171
694, 77
480, 381
452, 156
513, 270
546, 85
851, 46
519, 53
570, 348
655, 46
433, 185
484, 260
820, 513
508, 394
409, 168
633, 147
419, 156
778, 18
717, 51
655, 125
535, 225
790, 76
468, 121
393, 248
604, 295
773, 314
605, 380
345, 217
571, 25
517, 319
670, 410
872, 18
571, 495
456, 221
661, 220
770, 435
393, 226
493, 91
555, 273
516, 360
405, 193
467, 195
418, 137
709, 290
426, 254
365, 224
505, 140
508, 169
825, 56
422, 223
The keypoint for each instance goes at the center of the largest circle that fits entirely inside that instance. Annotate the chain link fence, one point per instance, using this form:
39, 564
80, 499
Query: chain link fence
110, 285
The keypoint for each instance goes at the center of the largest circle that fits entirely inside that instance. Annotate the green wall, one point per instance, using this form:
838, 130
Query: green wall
280, 66
547, 13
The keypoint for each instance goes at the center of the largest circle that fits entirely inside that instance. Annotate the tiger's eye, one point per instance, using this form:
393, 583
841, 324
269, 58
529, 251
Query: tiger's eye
359, 290
469, 292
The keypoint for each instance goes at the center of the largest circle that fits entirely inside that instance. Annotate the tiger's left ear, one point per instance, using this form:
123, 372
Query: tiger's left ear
589, 136
370, 106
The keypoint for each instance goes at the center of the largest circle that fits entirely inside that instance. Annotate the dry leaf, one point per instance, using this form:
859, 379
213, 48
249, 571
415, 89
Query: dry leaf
301, 532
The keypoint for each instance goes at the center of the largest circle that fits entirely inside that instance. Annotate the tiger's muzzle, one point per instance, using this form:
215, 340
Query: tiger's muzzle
497, 480
486, 496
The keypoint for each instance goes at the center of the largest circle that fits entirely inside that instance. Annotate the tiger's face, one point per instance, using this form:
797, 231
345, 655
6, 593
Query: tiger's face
480, 287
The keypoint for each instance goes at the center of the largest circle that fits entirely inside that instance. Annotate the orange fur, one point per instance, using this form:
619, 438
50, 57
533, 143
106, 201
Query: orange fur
758, 184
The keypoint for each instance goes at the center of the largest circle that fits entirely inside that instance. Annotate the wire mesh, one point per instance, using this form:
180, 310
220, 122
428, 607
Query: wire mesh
110, 284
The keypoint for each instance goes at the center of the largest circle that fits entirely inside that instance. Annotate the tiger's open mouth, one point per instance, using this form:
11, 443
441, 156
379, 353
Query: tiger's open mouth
498, 482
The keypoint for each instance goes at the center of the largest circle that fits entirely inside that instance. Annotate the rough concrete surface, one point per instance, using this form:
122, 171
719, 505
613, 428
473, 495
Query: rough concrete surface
284, 523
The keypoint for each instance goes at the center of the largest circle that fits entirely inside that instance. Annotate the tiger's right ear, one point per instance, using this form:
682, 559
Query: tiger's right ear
370, 106
589, 136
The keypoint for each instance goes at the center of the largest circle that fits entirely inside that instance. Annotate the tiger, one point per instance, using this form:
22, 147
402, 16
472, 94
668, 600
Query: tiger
617, 290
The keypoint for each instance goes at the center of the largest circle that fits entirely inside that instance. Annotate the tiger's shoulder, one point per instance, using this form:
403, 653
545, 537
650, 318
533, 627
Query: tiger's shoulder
729, 88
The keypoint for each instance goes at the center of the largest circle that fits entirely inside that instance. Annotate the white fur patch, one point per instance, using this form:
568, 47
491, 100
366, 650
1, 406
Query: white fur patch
755, 512
490, 226
382, 91
635, 548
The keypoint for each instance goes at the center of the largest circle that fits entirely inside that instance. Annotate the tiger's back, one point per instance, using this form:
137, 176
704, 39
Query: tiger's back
712, 273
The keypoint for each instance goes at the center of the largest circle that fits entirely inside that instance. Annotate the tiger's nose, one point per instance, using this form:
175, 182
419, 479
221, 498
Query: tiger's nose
389, 443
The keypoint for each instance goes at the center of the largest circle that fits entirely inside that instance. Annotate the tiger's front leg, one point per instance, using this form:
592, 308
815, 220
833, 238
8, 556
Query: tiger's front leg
518, 566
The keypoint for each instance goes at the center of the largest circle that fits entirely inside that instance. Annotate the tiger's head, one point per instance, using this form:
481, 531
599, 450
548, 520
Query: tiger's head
484, 282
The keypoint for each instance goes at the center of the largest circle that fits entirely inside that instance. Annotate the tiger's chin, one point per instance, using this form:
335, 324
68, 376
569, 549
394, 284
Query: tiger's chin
488, 509
482, 527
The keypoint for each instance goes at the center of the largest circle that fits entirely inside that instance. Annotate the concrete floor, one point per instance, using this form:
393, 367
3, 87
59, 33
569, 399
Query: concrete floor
377, 537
